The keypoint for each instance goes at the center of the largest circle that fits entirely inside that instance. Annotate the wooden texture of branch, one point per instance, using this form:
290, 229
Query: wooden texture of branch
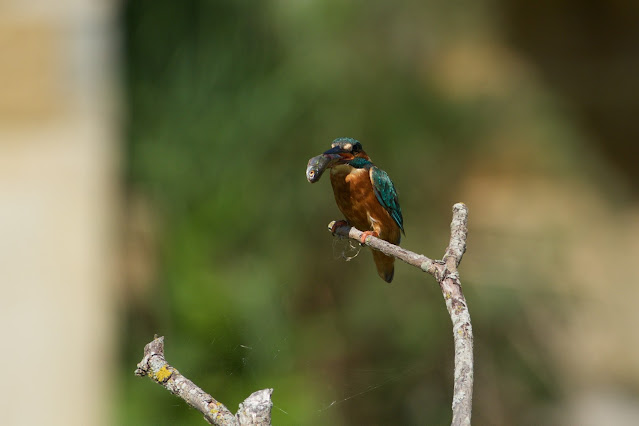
254, 411
446, 274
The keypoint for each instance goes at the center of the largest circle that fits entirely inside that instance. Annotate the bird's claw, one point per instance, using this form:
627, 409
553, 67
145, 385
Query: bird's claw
367, 234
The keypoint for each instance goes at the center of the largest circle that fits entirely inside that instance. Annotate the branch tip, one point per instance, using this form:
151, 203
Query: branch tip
156, 346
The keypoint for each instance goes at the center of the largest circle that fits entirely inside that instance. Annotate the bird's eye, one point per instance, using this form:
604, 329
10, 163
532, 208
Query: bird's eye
311, 173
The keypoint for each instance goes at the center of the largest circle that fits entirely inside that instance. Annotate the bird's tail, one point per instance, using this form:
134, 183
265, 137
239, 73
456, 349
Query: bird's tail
385, 265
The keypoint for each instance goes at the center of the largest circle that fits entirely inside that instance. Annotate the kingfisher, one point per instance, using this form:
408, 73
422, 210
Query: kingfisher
365, 195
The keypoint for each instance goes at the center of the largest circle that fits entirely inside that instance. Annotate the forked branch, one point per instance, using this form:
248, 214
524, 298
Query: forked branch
255, 410
446, 274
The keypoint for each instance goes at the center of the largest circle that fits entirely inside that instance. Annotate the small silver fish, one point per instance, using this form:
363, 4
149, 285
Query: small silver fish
318, 164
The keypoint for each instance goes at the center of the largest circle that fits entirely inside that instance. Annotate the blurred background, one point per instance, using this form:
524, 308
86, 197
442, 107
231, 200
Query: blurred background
152, 160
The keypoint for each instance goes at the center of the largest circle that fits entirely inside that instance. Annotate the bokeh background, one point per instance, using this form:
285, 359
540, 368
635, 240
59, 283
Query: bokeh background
152, 160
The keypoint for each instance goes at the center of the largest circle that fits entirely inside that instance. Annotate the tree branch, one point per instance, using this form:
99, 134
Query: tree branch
254, 411
446, 274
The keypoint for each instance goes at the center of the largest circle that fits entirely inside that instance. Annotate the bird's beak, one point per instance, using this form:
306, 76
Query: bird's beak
339, 154
335, 150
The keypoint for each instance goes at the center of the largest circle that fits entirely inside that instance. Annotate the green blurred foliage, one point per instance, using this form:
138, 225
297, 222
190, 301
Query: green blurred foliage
227, 101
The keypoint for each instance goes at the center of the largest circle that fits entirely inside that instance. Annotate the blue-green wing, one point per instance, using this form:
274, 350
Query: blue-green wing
386, 194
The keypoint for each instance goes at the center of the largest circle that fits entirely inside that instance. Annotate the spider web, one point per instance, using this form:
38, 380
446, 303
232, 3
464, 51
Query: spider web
345, 248
359, 383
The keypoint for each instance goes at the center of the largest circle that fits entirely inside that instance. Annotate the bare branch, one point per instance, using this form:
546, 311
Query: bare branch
255, 410
446, 274
458, 233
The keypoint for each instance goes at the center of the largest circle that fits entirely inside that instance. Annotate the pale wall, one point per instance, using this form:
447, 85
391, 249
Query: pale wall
58, 199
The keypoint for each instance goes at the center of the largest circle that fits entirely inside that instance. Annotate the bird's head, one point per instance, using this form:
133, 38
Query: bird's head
346, 149
343, 151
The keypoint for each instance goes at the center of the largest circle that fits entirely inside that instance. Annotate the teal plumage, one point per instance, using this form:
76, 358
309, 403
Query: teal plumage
386, 195
384, 189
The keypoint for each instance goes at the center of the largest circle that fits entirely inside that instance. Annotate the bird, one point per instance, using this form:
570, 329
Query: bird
364, 194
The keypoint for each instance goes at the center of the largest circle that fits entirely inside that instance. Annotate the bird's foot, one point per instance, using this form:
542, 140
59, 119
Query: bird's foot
367, 234
336, 224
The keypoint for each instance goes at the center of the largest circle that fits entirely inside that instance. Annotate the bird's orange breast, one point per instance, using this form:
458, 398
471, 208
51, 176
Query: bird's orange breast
356, 199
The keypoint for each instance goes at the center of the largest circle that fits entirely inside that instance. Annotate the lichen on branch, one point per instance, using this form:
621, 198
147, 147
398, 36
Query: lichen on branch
255, 410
